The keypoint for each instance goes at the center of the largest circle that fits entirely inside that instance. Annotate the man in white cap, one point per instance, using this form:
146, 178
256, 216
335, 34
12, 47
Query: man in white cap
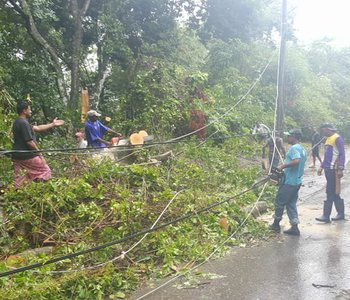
95, 130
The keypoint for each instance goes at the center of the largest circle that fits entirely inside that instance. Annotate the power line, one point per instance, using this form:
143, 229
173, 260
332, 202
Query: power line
231, 108
5, 152
217, 248
118, 148
127, 251
131, 236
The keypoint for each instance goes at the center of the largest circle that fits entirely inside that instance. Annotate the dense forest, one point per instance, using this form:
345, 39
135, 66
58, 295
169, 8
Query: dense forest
147, 65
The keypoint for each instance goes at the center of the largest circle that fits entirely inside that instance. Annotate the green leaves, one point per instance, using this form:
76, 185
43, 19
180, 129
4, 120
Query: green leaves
109, 202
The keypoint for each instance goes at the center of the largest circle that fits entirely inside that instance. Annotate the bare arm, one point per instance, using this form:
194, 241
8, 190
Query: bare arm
42, 128
293, 163
104, 141
114, 132
32, 145
45, 127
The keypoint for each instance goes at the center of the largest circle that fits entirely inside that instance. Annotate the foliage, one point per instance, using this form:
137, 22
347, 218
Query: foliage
6, 107
147, 64
108, 201
239, 19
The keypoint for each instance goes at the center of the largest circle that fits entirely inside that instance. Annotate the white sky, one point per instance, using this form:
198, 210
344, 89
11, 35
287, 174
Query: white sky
315, 19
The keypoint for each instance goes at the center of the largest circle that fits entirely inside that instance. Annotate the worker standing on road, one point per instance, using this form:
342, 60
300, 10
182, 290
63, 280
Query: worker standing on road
333, 166
288, 191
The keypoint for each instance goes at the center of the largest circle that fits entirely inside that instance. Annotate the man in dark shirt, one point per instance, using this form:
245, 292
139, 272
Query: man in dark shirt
315, 144
29, 165
276, 149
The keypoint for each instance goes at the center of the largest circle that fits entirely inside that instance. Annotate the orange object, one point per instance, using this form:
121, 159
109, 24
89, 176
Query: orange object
143, 133
115, 141
337, 184
223, 222
84, 104
136, 139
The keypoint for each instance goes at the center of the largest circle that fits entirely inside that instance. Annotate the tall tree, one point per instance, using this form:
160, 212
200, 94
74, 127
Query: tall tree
78, 10
29, 22
239, 19
70, 31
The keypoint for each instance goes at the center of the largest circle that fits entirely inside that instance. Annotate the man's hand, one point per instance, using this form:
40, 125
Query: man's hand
319, 171
281, 167
340, 173
57, 122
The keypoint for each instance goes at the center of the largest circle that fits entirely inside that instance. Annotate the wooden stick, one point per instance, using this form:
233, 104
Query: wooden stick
337, 183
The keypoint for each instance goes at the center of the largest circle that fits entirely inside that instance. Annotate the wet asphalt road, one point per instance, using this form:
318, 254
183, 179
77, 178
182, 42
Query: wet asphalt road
285, 268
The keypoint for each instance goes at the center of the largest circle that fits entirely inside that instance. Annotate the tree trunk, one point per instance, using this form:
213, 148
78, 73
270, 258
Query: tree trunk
26, 14
102, 76
75, 58
103, 70
78, 14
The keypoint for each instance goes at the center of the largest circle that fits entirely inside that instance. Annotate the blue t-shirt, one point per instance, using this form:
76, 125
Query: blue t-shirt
94, 131
294, 174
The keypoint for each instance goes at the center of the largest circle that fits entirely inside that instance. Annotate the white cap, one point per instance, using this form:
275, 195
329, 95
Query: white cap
93, 113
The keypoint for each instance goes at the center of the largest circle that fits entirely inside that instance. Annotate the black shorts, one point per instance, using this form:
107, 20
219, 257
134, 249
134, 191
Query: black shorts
316, 152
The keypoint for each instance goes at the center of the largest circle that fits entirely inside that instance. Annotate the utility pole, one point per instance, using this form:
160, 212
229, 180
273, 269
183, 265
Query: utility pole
281, 71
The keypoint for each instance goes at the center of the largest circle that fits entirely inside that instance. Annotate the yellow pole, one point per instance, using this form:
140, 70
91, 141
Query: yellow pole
84, 104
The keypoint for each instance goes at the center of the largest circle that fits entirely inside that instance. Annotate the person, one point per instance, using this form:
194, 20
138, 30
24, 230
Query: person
29, 166
315, 146
82, 143
287, 195
95, 130
333, 166
262, 131
274, 153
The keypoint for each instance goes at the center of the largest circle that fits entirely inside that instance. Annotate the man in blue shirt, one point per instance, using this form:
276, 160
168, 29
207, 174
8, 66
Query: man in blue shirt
94, 131
287, 195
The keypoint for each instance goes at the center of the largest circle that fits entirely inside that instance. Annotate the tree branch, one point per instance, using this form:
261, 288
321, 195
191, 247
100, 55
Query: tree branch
24, 10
